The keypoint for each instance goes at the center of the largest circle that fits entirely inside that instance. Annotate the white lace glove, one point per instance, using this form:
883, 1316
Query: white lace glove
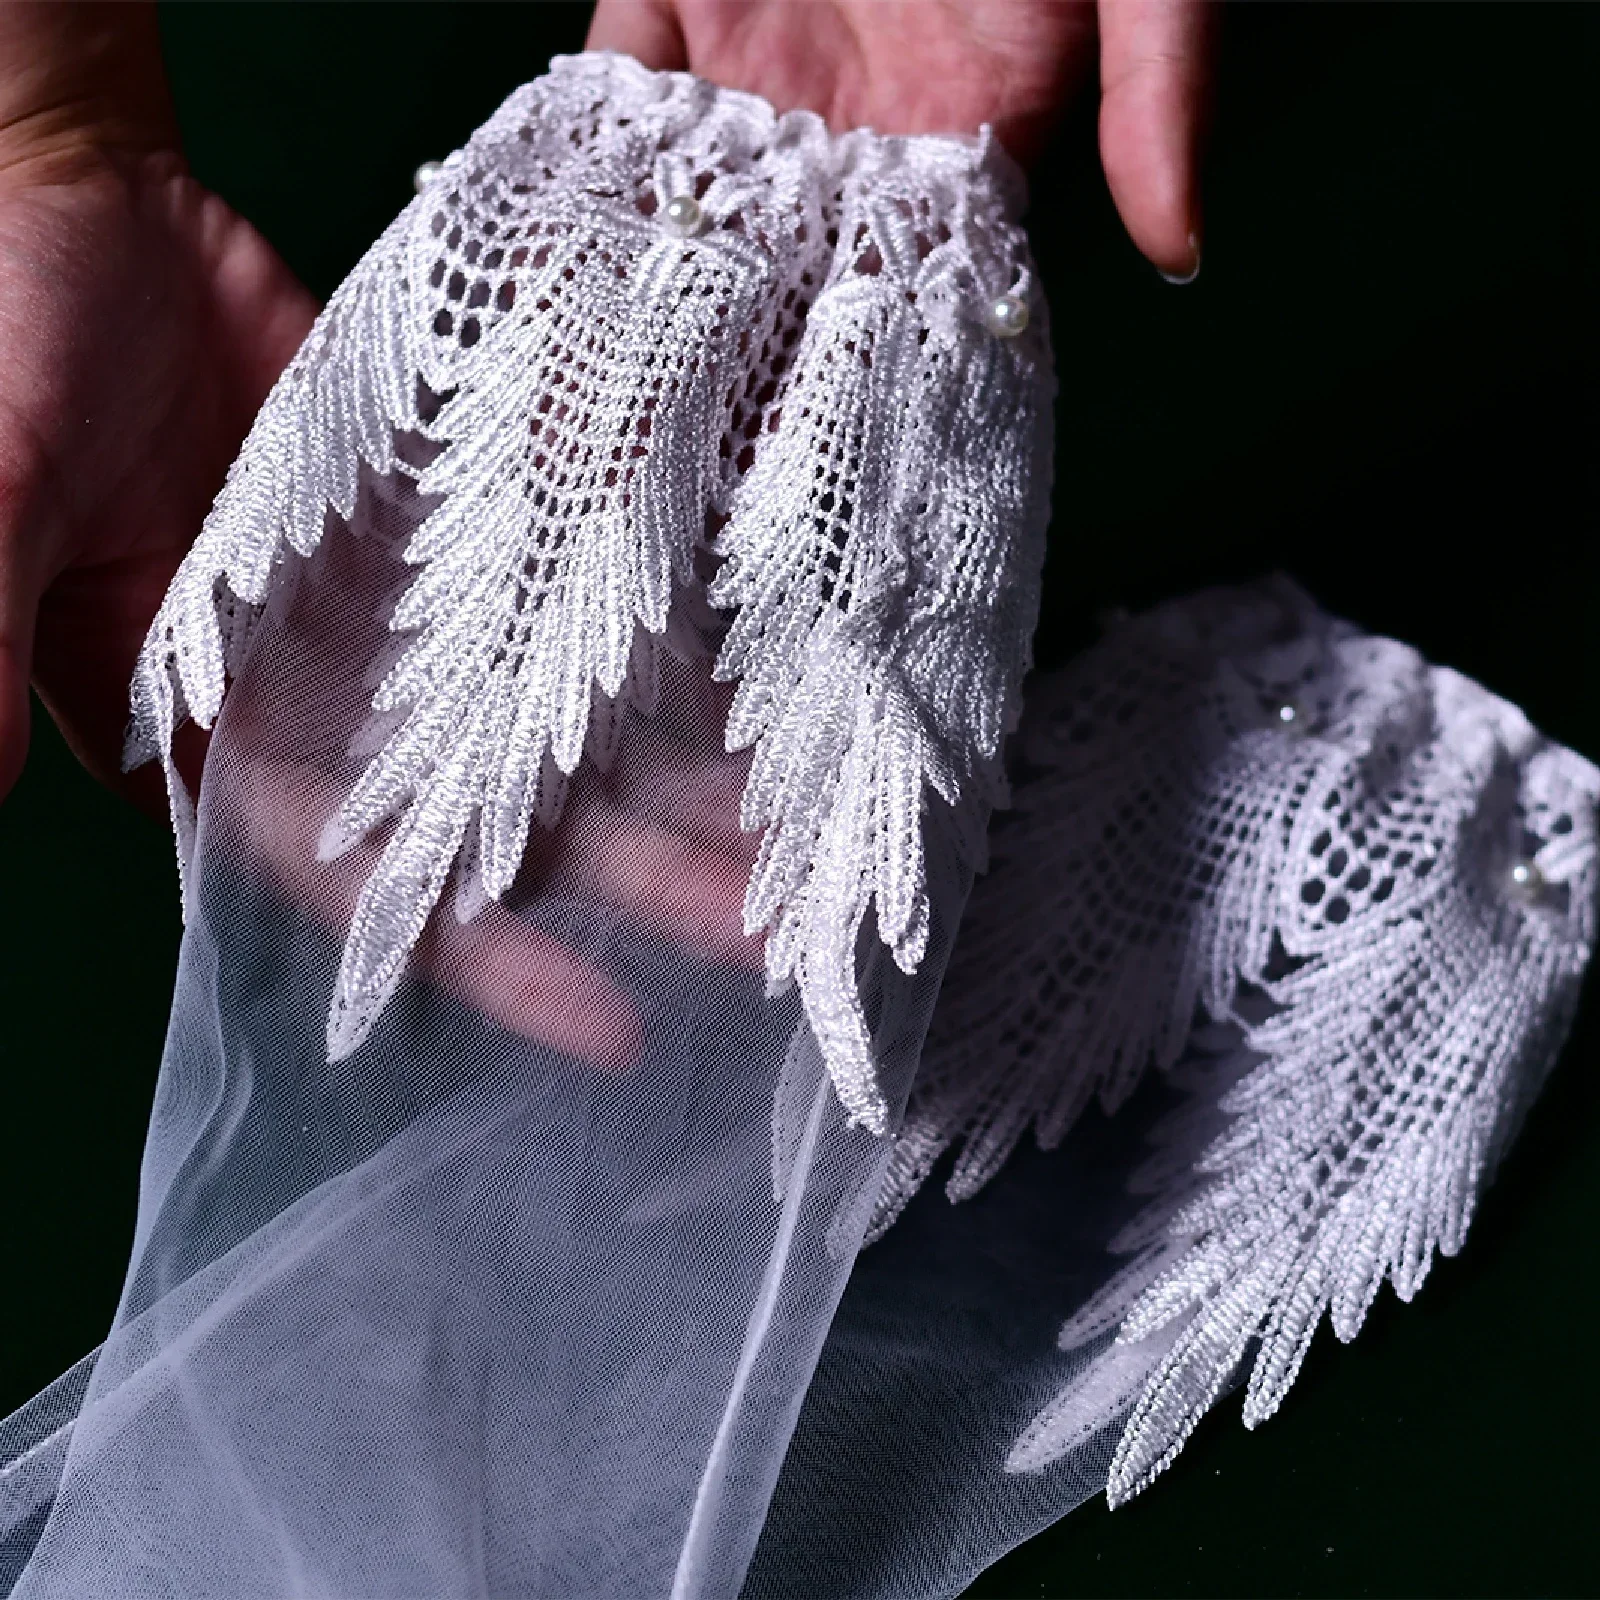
1375, 873
635, 312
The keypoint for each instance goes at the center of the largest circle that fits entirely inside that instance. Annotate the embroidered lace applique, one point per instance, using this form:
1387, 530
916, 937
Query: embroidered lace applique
640, 320
1377, 875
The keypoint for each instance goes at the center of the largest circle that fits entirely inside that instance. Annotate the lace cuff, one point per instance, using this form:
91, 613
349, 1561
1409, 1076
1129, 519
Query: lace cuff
1345, 899
637, 322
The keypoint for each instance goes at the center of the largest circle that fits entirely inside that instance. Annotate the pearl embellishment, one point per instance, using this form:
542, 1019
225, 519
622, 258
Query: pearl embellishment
1527, 881
1288, 717
1006, 316
425, 174
683, 216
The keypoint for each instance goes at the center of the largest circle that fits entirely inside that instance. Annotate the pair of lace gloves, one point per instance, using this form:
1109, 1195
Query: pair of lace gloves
674, 374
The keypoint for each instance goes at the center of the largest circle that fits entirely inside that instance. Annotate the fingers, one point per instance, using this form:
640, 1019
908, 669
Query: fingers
1155, 72
532, 985
501, 967
691, 895
647, 30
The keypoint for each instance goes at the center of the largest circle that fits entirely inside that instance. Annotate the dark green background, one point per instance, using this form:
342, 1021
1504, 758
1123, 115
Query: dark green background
1383, 382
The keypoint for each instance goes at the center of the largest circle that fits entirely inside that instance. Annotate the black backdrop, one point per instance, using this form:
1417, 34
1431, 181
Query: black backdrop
1383, 382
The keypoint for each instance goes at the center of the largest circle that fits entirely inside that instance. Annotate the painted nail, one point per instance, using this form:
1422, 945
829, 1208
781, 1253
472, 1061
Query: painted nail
1193, 272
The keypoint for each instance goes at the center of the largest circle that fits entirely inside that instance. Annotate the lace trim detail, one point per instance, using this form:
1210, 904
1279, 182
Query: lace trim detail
633, 309
1375, 872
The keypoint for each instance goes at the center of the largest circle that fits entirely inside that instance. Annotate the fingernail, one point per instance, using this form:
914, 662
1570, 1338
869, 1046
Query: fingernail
1193, 272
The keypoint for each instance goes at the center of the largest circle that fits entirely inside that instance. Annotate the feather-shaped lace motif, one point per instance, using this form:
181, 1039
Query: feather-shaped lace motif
573, 490
882, 560
1373, 869
635, 308
337, 404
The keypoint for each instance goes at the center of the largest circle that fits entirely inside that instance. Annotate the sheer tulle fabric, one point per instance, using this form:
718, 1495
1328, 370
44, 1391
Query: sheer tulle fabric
525, 1298
502, 1220
553, 1288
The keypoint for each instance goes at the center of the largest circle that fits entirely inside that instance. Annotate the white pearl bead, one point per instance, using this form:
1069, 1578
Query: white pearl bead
1527, 881
425, 174
683, 216
1006, 316
1288, 715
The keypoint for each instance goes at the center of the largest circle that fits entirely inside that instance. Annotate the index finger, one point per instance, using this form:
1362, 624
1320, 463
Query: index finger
1155, 76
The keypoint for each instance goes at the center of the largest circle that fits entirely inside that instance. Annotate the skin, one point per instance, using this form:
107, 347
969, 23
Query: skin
143, 323
925, 66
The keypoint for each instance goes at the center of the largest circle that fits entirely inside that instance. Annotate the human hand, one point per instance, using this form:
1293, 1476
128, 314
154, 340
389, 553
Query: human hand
650, 842
143, 323
658, 843
927, 66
